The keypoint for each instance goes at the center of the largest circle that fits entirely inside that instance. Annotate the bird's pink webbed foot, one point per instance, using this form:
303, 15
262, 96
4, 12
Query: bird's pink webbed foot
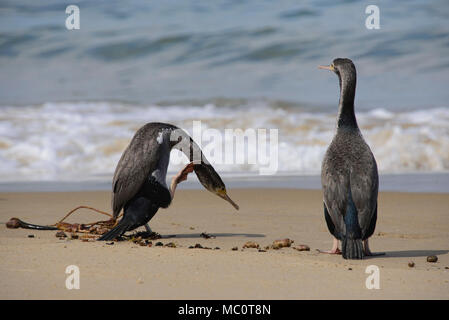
180, 177
334, 249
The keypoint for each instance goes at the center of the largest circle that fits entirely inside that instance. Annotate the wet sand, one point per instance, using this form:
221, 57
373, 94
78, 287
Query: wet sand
410, 227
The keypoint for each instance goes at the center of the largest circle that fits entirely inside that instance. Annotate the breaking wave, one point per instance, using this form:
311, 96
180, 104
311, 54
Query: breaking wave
83, 141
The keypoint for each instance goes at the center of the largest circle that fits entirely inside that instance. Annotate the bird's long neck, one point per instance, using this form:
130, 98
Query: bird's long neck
189, 147
346, 116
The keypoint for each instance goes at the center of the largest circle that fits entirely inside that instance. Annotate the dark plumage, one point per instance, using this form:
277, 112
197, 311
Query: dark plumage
349, 174
139, 186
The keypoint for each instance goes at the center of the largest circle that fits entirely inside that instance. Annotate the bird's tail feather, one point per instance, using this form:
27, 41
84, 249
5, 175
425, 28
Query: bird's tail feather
116, 232
352, 248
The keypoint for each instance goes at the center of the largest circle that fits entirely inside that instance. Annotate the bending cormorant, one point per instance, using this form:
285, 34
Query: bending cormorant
349, 175
139, 185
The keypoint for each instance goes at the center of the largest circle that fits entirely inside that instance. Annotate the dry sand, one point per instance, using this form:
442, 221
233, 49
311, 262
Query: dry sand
410, 227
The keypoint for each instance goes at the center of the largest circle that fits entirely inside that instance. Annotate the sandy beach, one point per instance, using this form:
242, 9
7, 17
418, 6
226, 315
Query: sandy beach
411, 226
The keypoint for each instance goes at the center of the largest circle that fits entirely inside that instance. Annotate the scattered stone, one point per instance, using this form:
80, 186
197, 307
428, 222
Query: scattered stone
31, 236
411, 264
349, 268
432, 259
61, 234
217, 248
446, 267
110, 243
159, 244
74, 236
199, 246
171, 245
302, 247
251, 244
277, 244
192, 228
207, 236
261, 250
267, 248
85, 240
235, 249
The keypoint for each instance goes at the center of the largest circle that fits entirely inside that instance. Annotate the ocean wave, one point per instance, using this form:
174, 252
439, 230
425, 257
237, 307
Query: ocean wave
82, 141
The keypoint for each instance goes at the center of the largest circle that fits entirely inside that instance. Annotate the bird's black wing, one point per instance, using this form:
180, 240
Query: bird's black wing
364, 189
138, 161
335, 184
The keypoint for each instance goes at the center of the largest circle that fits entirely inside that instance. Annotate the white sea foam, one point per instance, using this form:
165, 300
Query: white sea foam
79, 141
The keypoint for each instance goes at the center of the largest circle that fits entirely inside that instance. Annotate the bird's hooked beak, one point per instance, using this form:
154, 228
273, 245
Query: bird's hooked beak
222, 194
331, 67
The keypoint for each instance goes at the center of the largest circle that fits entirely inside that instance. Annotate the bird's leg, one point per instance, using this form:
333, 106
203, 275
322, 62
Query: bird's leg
334, 249
147, 227
368, 252
180, 177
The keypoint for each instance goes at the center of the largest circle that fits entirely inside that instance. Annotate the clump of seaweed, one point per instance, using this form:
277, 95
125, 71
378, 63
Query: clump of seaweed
82, 231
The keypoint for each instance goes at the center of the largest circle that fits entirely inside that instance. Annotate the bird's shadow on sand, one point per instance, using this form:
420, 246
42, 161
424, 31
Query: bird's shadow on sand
213, 235
411, 253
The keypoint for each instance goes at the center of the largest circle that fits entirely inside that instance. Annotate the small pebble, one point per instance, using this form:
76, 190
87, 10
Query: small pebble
74, 236
251, 244
302, 247
432, 259
31, 236
198, 246
171, 245
217, 248
411, 264
277, 244
206, 236
159, 244
110, 243
261, 250
349, 268
235, 249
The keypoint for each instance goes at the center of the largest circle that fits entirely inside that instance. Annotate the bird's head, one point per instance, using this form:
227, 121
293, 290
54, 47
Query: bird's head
210, 180
343, 67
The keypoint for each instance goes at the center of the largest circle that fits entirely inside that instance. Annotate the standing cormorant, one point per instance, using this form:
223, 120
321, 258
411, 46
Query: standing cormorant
139, 185
349, 175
